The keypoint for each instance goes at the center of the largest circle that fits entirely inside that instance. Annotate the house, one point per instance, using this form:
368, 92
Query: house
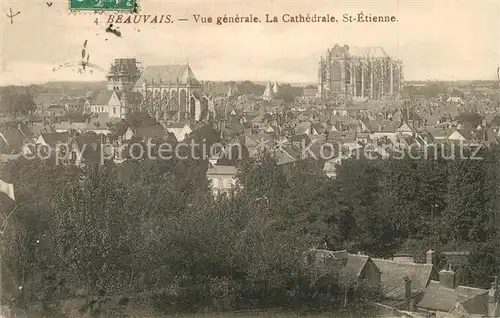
460, 135
406, 129
154, 133
353, 268
114, 103
387, 129
55, 111
84, 150
444, 297
308, 128
401, 276
222, 178
438, 133
360, 268
180, 130
47, 144
255, 143
145, 133
368, 126
52, 139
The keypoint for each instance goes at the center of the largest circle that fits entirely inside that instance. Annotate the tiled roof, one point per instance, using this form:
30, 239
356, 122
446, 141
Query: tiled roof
156, 132
319, 127
304, 138
355, 264
439, 298
222, 170
303, 128
233, 128
393, 274
288, 154
388, 126
53, 138
167, 74
102, 98
87, 140
476, 304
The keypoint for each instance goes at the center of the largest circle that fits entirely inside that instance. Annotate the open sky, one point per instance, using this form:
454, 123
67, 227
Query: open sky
437, 40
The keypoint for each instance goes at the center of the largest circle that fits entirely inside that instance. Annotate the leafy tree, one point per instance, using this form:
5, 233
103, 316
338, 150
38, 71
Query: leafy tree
16, 103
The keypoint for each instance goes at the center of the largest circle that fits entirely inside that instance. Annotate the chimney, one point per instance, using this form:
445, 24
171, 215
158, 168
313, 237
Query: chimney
447, 278
408, 296
429, 256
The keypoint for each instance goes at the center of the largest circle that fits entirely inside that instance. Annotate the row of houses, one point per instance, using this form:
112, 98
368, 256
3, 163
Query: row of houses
413, 287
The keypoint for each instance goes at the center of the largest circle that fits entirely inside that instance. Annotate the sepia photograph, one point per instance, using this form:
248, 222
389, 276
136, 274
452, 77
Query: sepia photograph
257, 158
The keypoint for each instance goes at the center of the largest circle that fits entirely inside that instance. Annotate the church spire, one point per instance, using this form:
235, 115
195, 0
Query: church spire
268, 93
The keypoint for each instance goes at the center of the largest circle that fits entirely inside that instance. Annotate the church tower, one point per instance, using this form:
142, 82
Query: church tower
123, 74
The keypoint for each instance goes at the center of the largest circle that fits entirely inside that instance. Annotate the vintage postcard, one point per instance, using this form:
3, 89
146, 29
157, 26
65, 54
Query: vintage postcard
249, 158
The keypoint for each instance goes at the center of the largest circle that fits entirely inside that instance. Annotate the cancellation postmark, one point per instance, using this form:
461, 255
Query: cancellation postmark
122, 6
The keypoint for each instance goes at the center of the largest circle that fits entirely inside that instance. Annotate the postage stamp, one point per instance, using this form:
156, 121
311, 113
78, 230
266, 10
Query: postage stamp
103, 5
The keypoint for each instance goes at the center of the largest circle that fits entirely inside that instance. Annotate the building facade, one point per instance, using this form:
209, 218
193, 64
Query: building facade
123, 74
222, 179
360, 73
172, 88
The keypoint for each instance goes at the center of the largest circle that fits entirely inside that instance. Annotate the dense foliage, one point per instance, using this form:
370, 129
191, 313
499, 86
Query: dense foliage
151, 230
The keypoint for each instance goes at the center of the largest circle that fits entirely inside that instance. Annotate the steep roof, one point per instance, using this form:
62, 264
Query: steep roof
288, 154
393, 274
54, 138
167, 74
102, 98
439, 298
268, 93
276, 88
355, 264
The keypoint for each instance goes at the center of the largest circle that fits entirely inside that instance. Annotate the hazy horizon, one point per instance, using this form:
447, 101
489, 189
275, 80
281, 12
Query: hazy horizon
437, 41
240, 81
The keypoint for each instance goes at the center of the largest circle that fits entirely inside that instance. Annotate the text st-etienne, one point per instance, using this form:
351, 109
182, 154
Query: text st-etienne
362, 17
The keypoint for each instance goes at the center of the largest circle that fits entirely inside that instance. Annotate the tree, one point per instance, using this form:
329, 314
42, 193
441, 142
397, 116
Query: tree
16, 103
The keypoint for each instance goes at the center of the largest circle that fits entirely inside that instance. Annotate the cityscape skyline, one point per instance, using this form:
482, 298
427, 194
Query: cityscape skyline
436, 41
